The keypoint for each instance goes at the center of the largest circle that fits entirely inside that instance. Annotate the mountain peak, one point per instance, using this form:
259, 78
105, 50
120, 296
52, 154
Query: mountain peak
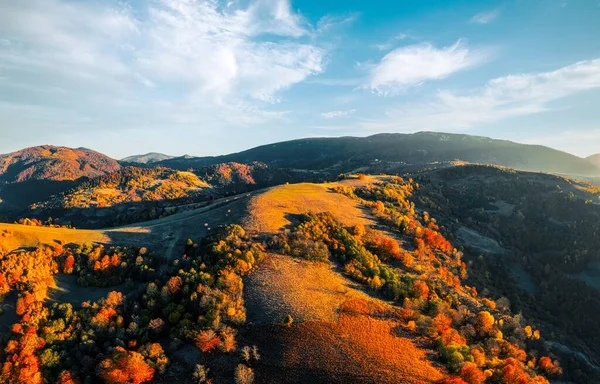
49, 162
147, 158
594, 159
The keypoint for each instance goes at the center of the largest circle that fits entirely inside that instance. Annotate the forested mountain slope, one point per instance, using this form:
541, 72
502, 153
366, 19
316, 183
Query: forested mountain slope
394, 150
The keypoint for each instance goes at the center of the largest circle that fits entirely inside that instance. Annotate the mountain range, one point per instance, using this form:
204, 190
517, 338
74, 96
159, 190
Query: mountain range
388, 152
382, 152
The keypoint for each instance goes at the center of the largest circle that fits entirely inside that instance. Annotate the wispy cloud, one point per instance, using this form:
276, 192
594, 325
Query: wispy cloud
500, 98
187, 60
485, 17
390, 43
330, 22
413, 65
338, 114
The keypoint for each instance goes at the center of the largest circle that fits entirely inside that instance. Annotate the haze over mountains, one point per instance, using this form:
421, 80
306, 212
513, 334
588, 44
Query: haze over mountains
595, 159
148, 158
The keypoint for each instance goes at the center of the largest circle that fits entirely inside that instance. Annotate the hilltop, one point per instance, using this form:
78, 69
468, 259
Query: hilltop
148, 158
49, 162
595, 159
394, 152
34, 174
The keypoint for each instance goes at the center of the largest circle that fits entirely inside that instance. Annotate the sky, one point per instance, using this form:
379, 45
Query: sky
209, 77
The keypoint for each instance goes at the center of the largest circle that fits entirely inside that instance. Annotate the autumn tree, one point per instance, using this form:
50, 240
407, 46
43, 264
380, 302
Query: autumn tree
549, 367
22, 364
207, 340
485, 322
471, 374
125, 367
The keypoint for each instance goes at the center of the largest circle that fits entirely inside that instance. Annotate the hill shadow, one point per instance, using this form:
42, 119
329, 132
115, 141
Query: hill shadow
19, 196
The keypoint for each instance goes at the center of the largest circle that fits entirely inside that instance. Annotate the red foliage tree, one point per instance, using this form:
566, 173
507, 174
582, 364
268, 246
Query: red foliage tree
69, 264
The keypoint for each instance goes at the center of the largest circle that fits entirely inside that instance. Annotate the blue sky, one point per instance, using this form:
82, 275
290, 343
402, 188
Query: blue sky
210, 77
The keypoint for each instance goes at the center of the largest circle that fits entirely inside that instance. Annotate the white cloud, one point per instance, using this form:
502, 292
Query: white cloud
500, 98
337, 114
485, 17
197, 61
412, 65
194, 41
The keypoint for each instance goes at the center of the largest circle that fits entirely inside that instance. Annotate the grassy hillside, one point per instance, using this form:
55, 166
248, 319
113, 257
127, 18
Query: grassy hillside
396, 150
14, 236
129, 185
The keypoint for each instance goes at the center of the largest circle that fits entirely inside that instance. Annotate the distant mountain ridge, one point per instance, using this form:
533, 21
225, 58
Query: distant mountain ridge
147, 158
594, 159
54, 163
345, 154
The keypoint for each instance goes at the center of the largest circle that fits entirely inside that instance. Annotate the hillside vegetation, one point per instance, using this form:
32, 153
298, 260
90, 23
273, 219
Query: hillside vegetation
191, 295
548, 229
128, 186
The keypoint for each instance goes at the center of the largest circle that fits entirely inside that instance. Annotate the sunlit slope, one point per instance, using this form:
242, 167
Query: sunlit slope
342, 333
14, 236
276, 208
267, 210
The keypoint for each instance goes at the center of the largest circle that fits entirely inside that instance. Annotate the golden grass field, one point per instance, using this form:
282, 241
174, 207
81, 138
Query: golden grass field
274, 209
308, 291
14, 236
364, 345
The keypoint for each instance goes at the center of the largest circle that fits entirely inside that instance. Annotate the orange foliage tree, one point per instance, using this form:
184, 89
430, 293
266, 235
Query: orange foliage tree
21, 364
125, 367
